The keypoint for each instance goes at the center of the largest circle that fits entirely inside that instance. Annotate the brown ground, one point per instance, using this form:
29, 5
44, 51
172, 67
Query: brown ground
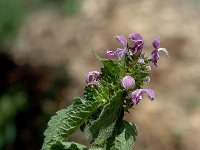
172, 121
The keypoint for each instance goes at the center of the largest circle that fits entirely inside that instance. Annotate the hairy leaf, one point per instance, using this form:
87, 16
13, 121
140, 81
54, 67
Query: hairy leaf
101, 129
123, 137
111, 70
68, 146
62, 125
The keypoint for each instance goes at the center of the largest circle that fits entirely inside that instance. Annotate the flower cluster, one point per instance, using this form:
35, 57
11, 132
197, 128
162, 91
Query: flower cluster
135, 67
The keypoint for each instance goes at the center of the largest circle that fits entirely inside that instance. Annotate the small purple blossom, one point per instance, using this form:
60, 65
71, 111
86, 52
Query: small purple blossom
140, 61
128, 82
137, 95
138, 43
110, 53
154, 55
147, 79
156, 42
120, 52
92, 78
148, 68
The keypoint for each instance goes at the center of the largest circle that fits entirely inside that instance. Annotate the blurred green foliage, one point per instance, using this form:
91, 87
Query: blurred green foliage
191, 103
11, 13
21, 98
10, 102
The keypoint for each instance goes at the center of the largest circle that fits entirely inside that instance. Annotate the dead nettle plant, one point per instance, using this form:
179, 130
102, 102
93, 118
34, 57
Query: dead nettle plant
107, 96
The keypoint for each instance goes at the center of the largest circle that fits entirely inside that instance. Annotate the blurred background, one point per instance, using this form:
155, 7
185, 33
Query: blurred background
45, 51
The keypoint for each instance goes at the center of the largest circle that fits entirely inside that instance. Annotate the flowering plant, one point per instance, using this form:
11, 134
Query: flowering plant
99, 112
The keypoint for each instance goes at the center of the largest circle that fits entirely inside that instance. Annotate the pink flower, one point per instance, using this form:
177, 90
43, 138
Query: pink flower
92, 78
137, 95
128, 82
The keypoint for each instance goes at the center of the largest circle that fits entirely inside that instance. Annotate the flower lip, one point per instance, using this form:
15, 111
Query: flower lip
122, 40
128, 82
138, 43
136, 37
92, 78
137, 95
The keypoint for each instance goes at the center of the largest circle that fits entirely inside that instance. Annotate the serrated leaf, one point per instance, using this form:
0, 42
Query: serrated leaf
62, 125
101, 129
110, 71
125, 136
68, 146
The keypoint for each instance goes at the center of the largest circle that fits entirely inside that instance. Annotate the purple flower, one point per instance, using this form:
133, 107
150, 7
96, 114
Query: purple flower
148, 68
137, 95
120, 52
156, 42
138, 43
128, 82
110, 53
92, 78
147, 79
140, 61
154, 55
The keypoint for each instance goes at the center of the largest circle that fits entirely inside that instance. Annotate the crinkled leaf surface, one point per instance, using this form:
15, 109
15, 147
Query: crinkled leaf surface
101, 129
62, 125
68, 146
123, 137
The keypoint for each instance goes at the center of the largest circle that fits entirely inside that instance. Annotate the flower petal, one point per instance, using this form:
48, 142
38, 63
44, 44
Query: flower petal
150, 92
120, 53
155, 57
164, 50
137, 95
122, 39
135, 37
138, 42
156, 42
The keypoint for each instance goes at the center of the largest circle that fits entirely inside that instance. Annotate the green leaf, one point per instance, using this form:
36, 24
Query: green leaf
62, 125
111, 71
124, 136
101, 129
68, 146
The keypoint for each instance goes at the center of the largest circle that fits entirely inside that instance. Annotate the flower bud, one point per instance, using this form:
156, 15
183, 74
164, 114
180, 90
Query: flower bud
110, 53
140, 61
128, 82
147, 79
92, 78
148, 68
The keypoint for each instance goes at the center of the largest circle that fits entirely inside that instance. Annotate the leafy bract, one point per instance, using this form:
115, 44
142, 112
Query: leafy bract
101, 129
